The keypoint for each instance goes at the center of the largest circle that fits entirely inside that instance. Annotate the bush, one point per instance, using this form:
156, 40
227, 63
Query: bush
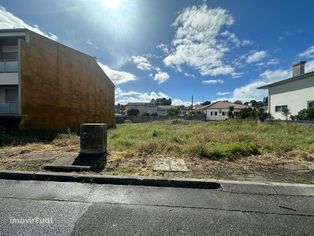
133, 112
174, 111
305, 114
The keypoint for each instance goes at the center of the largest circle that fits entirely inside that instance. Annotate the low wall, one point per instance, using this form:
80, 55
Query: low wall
296, 122
141, 119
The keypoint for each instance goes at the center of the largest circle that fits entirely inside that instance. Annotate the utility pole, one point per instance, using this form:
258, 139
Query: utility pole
192, 101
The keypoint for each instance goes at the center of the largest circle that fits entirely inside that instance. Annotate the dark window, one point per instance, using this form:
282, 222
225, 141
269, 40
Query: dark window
215, 113
310, 104
280, 108
211, 113
223, 113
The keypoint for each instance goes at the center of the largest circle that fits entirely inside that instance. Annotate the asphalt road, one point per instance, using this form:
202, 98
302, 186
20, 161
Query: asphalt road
56, 208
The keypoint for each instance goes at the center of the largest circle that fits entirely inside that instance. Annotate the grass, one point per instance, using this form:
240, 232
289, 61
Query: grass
223, 149
226, 140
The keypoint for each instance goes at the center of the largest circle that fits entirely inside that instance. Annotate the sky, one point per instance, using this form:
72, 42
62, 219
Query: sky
211, 50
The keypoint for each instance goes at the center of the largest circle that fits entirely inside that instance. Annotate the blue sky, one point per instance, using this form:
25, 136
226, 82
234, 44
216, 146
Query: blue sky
213, 50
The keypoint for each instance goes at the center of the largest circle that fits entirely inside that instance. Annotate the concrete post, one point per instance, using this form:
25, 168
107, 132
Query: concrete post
93, 138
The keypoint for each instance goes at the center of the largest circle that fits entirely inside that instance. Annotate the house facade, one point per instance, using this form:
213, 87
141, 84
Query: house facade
153, 108
219, 110
295, 93
47, 85
143, 107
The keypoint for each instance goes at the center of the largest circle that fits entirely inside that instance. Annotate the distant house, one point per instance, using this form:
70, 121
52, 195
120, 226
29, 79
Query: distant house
295, 93
219, 110
143, 107
153, 108
47, 85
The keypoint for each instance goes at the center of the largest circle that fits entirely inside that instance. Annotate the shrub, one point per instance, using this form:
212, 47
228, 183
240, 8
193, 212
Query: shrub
305, 114
133, 112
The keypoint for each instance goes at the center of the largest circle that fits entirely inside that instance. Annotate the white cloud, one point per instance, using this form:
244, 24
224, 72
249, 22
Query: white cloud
223, 93
271, 76
124, 97
90, 43
117, 77
9, 21
250, 92
309, 66
161, 77
189, 75
256, 56
163, 47
141, 62
198, 41
213, 81
309, 52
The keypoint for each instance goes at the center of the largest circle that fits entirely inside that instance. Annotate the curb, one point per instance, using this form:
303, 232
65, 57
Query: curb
103, 179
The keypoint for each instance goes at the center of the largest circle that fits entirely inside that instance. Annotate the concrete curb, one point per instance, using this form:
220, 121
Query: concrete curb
103, 179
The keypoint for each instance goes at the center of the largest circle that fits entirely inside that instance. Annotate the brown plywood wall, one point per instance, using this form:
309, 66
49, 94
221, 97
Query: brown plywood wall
61, 87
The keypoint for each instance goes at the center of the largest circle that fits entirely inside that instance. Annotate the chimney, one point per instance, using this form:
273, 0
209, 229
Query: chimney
298, 68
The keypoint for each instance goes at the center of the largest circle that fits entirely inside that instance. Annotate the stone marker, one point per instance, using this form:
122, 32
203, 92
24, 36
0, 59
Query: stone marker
169, 164
93, 138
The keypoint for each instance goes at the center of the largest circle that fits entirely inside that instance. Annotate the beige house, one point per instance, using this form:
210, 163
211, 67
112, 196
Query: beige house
219, 110
295, 93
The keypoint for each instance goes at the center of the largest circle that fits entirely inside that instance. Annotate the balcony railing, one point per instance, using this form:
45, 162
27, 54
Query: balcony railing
9, 108
9, 66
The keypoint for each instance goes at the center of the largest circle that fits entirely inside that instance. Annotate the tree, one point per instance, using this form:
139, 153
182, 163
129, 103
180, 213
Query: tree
174, 111
206, 103
265, 101
231, 112
238, 102
286, 112
162, 101
133, 112
253, 103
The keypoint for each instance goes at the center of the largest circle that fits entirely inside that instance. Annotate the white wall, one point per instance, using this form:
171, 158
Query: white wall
295, 94
9, 79
219, 115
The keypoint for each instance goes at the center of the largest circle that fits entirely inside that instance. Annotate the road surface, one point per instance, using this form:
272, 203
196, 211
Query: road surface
61, 208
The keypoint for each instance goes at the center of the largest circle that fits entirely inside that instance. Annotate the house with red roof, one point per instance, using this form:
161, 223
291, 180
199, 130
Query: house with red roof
219, 110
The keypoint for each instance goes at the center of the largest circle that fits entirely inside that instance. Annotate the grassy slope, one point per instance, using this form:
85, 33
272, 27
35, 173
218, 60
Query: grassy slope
214, 140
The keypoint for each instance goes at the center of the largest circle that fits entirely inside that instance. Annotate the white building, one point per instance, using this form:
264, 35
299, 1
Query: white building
295, 93
219, 110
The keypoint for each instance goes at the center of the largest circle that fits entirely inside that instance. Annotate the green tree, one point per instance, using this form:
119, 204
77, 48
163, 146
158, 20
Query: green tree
133, 112
286, 112
231, 112
162, 101
174, 111
206, 103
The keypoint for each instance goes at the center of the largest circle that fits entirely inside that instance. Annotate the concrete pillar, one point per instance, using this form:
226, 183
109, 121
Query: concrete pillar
93, 138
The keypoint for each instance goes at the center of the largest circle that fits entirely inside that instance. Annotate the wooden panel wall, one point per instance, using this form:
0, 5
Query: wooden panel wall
61, 87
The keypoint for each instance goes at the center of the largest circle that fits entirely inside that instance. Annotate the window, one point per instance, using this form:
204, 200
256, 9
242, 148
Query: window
280, 108
211, 113
223, 113
215, 113
310, 104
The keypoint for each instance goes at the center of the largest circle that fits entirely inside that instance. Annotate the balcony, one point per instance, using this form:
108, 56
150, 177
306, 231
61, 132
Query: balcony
9, 66
9, 108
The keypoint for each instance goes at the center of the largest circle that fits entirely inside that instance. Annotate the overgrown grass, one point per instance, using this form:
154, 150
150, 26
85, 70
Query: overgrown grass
227, 140
21, 137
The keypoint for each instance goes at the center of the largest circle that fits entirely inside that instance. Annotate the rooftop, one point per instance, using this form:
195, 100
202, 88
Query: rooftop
306, 75
223, 105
